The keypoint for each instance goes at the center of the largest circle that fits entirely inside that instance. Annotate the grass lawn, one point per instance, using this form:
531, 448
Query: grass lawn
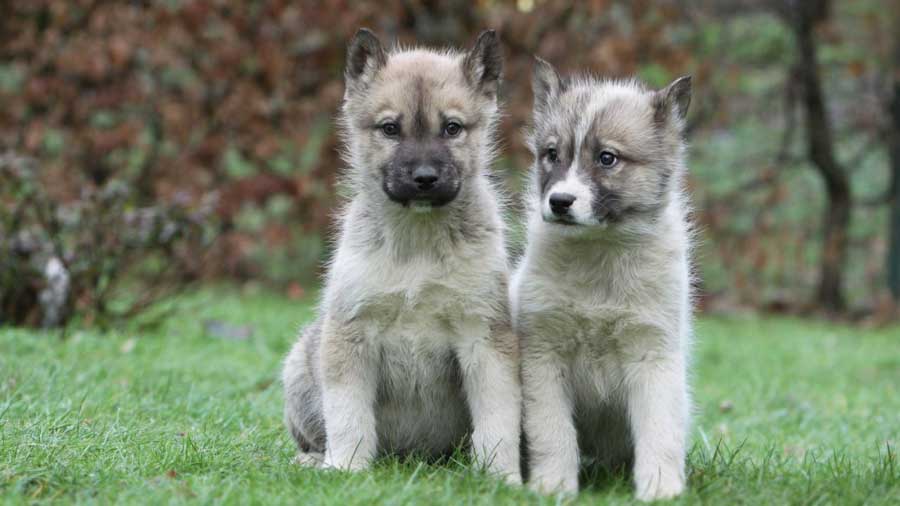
787, 412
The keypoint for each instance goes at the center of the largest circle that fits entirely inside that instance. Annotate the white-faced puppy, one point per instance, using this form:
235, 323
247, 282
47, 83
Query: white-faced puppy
412, 351
601, 300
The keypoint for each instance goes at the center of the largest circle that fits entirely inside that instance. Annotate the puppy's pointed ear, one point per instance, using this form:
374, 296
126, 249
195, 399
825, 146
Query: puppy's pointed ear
545, 84
483, 65
673, 99
365, 56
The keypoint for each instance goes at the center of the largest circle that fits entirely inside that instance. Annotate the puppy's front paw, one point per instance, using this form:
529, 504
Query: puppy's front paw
513, 479
549, 485
352, 463
656, 482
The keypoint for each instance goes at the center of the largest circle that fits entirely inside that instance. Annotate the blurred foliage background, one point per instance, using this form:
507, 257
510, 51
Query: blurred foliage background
148, 144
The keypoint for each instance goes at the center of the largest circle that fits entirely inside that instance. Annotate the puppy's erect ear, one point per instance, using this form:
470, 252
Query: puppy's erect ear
483, 65
365, 57
545, 84
674, 98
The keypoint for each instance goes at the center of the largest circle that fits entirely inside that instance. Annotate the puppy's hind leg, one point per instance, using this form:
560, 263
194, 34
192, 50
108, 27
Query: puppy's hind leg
303, 397
307, 456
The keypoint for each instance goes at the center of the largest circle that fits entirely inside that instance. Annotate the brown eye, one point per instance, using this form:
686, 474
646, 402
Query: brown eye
552, 155
452, 129
608, 159
390, 129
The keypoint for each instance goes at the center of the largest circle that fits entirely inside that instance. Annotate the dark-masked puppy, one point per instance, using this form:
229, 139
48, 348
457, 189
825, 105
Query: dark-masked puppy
601, 300
412, 350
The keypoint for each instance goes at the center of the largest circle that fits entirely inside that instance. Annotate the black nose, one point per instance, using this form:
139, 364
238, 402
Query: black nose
561, 202
425, 176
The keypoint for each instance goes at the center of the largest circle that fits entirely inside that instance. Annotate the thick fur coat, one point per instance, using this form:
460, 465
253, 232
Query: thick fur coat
412, 350
601, 299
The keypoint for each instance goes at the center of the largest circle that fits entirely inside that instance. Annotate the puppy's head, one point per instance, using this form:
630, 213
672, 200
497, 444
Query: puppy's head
419, 123
605, 151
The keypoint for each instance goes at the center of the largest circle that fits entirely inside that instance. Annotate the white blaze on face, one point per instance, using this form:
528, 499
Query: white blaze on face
581, 210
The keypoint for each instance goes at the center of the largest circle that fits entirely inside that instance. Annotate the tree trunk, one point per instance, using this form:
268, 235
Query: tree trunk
804, 15
893, 258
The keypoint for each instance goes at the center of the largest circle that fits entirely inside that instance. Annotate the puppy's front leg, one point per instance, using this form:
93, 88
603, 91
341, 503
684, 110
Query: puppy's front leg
349, 384
490, 368
658, 413
549, 427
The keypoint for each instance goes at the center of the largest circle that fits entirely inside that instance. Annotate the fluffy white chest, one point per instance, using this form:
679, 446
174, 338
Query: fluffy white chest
419, 302
595, 330
572, 312
428, 319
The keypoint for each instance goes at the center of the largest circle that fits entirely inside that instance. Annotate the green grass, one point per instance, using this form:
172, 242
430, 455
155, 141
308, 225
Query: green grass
787, 412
